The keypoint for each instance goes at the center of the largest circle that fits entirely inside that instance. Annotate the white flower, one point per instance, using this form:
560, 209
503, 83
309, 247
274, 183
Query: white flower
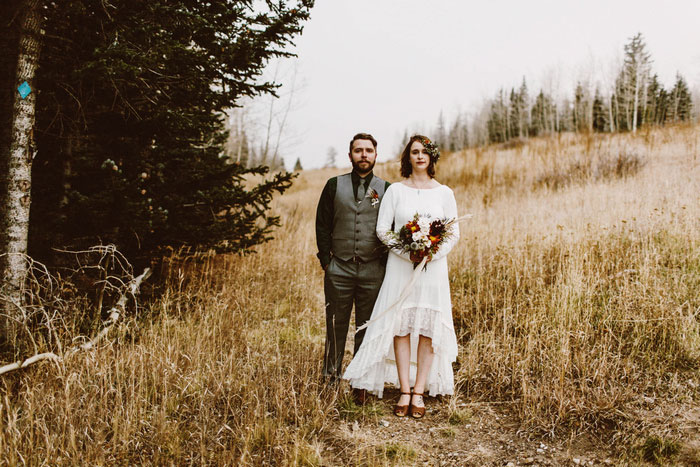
424, 224
419, 236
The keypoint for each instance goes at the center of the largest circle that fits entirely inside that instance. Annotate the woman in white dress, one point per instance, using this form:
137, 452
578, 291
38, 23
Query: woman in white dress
414, 344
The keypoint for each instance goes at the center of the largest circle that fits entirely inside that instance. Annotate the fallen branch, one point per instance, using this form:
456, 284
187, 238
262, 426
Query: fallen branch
23, 364
114, 314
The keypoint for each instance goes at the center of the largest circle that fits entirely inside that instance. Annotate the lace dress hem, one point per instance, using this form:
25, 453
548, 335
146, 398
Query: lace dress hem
374, 365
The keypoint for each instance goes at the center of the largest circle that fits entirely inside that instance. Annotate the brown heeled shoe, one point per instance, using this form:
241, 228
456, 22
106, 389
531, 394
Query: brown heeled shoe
417, 412
402, 410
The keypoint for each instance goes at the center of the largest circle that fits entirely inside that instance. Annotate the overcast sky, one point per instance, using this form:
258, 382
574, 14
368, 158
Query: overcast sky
384, 66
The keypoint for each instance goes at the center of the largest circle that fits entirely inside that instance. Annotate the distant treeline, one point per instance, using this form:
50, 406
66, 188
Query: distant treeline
636, 98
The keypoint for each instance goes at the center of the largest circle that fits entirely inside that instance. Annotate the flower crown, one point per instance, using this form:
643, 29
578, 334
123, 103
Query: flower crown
431, 148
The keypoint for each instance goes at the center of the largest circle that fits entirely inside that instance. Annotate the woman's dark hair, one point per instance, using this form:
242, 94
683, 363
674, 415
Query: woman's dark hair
406, 168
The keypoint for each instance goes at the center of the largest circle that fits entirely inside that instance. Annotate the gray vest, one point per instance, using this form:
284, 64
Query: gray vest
355, 223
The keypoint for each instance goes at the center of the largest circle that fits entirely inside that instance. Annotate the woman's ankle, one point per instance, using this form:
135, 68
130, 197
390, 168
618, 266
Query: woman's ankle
417, 400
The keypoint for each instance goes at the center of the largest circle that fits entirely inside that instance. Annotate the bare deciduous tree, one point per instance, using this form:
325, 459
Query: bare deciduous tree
258, 130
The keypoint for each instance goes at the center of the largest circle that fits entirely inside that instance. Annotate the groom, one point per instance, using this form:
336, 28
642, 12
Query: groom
350, 252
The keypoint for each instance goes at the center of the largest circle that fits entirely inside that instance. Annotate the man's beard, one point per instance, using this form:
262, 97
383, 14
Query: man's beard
356, 167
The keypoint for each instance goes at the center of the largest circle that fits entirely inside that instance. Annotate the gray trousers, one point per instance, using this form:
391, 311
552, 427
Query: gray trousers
346, 283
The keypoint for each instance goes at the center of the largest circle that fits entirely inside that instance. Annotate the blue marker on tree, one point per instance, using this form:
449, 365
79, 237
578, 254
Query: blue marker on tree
24, 89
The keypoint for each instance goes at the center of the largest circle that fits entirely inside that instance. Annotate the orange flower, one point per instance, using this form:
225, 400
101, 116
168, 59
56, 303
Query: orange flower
434, 239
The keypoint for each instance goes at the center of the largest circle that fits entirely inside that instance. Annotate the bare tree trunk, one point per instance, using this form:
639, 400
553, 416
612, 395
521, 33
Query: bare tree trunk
589, 115
239, 150
17, 183
645, 99
610, 114
636, 100
283, 121
9, 40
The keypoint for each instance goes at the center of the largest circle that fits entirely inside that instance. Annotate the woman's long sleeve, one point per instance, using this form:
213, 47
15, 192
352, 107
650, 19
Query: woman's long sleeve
450, 209
385, 219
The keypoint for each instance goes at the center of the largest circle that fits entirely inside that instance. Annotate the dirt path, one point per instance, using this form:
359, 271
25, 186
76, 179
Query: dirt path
479, 434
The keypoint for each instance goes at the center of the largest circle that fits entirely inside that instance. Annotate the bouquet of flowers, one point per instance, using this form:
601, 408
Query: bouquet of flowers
421, 237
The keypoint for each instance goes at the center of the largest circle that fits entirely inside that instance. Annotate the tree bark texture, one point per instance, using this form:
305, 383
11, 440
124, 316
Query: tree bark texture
9, 36
17, 180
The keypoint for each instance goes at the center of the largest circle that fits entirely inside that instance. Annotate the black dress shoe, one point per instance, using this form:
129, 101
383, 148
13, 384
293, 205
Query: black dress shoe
360, 396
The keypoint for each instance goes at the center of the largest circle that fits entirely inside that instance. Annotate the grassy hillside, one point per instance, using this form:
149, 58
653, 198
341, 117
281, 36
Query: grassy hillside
576, 293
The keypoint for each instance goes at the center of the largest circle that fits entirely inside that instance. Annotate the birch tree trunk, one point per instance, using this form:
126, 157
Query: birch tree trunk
610, 113
17, 181
636, 98
9, 33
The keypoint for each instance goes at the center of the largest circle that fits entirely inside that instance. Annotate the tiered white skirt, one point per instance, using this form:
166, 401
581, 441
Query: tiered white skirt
426, 311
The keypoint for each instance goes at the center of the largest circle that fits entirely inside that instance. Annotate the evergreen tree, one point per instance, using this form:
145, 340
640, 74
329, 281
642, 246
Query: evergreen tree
131, 123
497, 123
634, 81
620, 105
523, 114
681, 102
580, 114
654, 91
663, 106
514, 112
600, 114
297, 165
276, 163
541, 115
465, 136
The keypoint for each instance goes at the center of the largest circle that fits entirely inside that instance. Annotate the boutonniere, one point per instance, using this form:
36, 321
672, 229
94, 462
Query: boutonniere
373, 196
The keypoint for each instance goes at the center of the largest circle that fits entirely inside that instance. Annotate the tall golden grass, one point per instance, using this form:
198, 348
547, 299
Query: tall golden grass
575, 293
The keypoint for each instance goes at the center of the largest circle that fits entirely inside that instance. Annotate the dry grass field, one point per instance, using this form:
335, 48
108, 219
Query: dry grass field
576, 293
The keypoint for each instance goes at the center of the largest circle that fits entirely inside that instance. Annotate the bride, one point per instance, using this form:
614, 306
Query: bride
414, 345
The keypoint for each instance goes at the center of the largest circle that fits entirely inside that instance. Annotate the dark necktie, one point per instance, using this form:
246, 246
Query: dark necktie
361, 190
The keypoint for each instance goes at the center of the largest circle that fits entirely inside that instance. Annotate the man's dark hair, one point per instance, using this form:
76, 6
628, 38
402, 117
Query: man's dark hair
363, 136
406, 168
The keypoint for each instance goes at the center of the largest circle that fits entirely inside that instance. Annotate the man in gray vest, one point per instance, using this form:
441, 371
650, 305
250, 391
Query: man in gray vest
350, 252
